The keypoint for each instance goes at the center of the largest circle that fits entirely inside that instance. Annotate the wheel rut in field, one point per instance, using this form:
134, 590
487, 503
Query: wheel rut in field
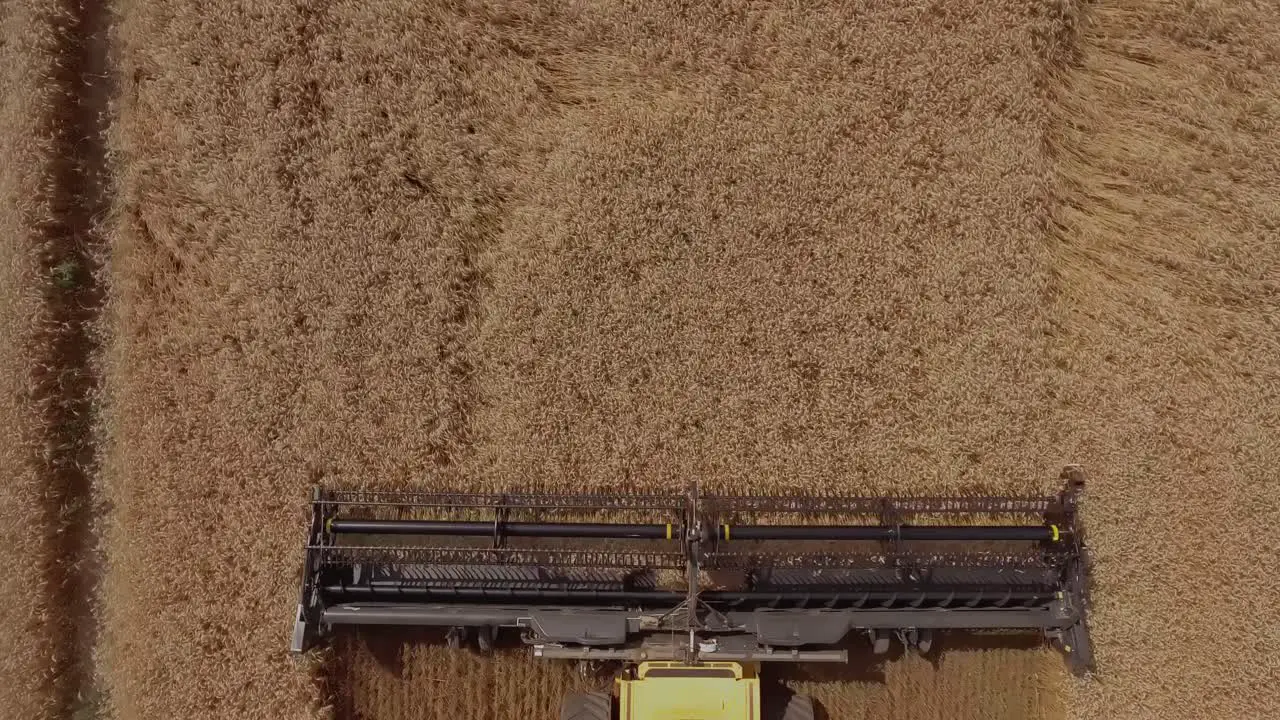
66, 380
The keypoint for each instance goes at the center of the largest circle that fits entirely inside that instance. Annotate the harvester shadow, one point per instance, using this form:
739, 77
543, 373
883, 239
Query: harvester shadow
864, 666
959, 641
352, 651
388, 646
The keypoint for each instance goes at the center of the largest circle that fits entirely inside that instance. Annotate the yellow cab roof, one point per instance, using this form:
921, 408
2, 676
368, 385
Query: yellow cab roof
674, 691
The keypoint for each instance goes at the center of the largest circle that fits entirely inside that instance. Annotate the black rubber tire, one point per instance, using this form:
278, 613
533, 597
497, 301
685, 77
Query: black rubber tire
587, 706
791, 707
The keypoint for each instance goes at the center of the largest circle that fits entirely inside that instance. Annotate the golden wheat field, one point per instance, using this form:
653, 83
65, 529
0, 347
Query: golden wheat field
896, 246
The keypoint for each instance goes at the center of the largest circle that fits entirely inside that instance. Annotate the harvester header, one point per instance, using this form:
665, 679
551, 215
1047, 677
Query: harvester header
695, 577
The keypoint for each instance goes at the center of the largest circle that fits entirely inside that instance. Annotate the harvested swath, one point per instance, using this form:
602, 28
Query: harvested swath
383, 678
1166, 260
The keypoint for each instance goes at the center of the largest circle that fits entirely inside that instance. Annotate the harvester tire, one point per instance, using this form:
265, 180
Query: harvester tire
795, 707
587, 706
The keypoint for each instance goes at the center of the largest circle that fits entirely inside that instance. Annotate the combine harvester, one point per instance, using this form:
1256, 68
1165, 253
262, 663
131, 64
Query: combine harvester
690, 594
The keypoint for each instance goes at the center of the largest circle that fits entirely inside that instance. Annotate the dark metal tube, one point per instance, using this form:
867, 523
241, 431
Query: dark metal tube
393, 591
506, 529
589, 530
390, 591
888, 532
903, 596
636, 654
726, 532
411, 527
